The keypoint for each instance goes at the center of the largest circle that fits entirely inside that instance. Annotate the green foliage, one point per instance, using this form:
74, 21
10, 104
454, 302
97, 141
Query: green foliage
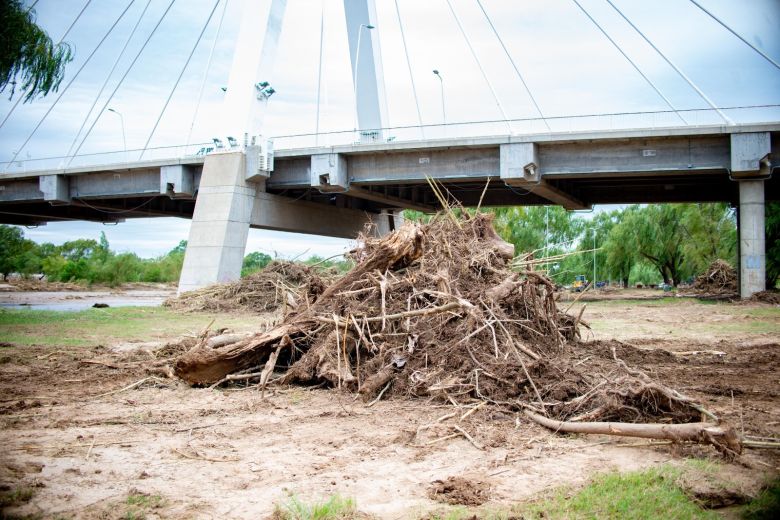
653, 493
255, 261
772, 213
341, 266
333, 508
27, 54
12, 244
766, 506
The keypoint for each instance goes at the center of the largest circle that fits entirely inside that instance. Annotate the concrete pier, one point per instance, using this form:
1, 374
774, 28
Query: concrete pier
220, 223
752, 238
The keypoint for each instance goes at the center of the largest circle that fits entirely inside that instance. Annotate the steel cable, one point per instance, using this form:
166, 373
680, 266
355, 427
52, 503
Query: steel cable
122, 79
83, 65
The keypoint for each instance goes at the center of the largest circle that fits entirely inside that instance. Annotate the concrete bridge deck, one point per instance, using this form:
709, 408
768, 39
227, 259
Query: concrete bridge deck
576, 170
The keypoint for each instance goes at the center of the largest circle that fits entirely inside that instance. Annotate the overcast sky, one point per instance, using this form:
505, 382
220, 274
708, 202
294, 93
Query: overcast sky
570, 67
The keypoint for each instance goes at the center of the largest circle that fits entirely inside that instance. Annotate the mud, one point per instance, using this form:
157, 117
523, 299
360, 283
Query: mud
83, 445
459, 491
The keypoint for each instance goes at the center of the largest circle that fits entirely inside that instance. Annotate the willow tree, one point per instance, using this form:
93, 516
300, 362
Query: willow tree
29, 60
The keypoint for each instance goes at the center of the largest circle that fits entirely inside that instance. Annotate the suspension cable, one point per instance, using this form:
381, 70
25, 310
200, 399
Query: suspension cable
206, 73
184, 68
409, 66
675, 67
65, 35
67, 32
122, 79
83, 65
479, 64
732, 31
633, 64
512, 61
319, 73
108, 77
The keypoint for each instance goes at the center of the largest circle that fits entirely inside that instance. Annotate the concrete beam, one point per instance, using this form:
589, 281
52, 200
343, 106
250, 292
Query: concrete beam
55, 188
299, 216
751, 155
21, 190
329, 173
131, 183
362, 193
752, 238
177, 181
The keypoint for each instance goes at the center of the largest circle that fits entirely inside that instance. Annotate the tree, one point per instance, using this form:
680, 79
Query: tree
710, 232
772, 212
658, 234
12, 244
619, 251
27, 53
254, 262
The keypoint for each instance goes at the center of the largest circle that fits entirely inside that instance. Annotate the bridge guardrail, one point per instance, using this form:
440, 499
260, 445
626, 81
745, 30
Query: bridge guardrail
475, 129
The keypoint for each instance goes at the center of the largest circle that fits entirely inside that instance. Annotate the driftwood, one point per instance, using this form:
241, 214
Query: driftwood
205, 365
724, 439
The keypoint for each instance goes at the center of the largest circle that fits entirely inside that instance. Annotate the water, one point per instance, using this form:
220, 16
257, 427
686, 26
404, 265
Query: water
74, 301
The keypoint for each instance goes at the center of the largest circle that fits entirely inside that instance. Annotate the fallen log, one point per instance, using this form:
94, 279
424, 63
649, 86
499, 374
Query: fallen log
724, 439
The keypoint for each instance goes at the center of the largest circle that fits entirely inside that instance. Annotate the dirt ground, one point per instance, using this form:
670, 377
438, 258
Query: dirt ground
74, 433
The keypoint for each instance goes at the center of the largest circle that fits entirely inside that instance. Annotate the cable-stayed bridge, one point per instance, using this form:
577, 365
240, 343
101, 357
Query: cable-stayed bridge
333, 183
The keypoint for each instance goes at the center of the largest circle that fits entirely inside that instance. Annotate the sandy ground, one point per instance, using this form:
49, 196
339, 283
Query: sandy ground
74, 434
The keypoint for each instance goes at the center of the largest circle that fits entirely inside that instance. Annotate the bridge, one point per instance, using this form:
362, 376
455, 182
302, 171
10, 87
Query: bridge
298, 184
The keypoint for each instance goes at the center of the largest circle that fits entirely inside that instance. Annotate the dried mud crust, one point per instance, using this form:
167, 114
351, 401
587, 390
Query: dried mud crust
459, 491
163, 438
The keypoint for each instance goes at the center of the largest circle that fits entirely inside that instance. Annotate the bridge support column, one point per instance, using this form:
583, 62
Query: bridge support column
752, 238
220, 223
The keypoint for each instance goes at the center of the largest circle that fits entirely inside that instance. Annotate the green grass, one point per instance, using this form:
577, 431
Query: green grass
766, 506
105, 326
334, 507
139, 504
647, 494
16, 497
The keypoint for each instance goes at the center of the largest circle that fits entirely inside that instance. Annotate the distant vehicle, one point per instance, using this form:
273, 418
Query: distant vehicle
601, 284
580, 283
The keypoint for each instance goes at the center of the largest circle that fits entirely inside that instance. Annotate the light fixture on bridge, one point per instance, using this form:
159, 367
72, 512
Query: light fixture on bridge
264, 90
233, 142
218, 143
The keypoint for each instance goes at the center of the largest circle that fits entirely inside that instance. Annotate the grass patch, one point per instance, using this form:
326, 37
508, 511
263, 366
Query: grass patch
105, 326
139, 504
766, 506
17, 497
647, 494
334, 507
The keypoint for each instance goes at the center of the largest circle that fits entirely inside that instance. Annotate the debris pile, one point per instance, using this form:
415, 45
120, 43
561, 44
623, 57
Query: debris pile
772, 297
719, 281
275, 286
435, 311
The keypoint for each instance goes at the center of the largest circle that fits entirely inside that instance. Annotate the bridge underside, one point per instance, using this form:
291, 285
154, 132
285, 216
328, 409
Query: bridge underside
335, 191
616, 188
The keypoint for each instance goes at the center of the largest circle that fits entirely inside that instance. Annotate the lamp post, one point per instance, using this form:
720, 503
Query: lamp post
122, 120
355, 72
441, 83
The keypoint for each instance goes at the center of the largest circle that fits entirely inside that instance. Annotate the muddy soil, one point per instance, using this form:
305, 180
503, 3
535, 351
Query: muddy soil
74, 433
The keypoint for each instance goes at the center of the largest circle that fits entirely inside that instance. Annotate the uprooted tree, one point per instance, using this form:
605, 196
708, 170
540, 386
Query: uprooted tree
435, 311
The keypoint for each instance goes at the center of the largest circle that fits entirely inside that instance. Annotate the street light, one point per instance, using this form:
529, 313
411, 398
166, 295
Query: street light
441, 82
122, 120
357, 62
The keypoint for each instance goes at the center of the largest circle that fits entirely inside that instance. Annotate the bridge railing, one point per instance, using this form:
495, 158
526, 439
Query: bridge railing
113, 158
536, 125
468, 129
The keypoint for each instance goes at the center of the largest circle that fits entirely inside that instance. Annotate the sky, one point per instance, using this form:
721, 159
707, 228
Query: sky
567, 63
